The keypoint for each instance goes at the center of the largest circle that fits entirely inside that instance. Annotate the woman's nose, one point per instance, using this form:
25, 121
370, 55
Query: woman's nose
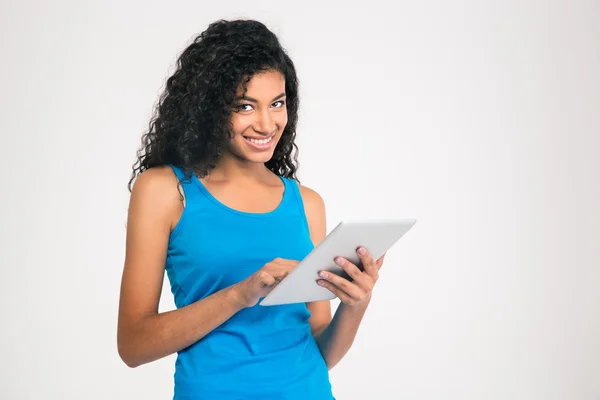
264, 123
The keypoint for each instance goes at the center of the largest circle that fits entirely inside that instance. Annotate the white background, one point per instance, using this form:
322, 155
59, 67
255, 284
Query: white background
480, 119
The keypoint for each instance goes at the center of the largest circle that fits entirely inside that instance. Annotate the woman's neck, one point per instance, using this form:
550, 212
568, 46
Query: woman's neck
230, 167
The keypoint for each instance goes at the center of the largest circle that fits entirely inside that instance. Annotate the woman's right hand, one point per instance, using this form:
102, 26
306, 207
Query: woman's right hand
259, 284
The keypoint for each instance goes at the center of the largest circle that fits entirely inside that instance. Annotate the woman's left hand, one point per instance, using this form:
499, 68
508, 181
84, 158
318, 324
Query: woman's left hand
358, 290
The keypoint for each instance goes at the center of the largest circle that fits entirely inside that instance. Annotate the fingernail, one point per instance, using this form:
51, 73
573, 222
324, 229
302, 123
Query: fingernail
323, 274
361, 251
339, 261
320, 283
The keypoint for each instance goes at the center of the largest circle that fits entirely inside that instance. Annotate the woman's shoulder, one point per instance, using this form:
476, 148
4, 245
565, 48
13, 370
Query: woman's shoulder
314, 205
157, 185
155, 178
314, 209
310, 195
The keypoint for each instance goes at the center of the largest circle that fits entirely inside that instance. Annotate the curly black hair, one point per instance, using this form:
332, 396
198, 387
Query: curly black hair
190, 127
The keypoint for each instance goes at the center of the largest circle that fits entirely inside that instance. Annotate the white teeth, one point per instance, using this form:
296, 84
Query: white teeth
260, 141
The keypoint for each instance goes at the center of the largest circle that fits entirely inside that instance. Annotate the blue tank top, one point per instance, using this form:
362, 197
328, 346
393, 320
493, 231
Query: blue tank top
261, 352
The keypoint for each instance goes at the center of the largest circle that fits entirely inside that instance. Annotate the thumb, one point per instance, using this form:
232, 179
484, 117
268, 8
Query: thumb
379, 262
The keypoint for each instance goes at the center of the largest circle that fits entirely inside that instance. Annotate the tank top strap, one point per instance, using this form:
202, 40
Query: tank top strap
295, 199
190, 190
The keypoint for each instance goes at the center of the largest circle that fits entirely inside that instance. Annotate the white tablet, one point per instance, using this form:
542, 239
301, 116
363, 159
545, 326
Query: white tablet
301, 284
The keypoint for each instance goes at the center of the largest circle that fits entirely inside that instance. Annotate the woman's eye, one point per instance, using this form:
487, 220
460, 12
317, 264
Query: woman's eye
280, 102
241, 107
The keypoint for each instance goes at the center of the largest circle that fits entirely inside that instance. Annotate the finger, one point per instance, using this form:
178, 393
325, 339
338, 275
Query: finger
284, 265
342, 295
367, 261
285, 261
280, 273
351, 269
291, 264
351, 288
266, 279
360, 278
379, 262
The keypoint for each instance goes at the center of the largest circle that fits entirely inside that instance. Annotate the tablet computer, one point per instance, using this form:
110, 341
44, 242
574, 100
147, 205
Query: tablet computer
301, 284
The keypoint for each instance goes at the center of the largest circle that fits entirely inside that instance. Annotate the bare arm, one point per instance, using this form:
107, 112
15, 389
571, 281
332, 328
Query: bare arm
335, 335
314, 208
143, 334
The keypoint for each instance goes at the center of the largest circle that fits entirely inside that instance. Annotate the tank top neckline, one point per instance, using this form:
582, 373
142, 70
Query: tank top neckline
225, 207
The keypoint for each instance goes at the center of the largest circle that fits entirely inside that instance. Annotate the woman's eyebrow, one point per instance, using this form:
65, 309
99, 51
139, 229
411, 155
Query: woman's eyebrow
253, 100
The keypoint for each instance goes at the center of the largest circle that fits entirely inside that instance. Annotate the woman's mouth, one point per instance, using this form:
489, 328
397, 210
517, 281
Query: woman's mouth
260, 143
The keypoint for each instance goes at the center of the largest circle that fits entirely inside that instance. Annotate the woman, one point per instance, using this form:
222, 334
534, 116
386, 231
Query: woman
216, 204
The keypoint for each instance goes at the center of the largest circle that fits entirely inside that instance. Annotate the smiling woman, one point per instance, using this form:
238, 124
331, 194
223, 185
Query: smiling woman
216, 204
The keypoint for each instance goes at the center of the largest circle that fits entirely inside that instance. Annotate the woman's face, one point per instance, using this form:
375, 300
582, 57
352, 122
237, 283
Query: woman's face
259, 117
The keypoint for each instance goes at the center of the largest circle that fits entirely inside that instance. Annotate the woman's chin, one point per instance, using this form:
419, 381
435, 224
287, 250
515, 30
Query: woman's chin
259, 158
252, 157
